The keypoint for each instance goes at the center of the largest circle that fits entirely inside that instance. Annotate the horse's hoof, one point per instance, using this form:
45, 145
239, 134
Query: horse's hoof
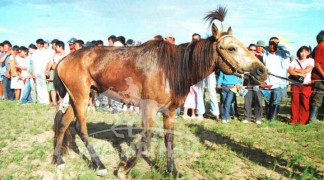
121, 175
102, 172
61, 166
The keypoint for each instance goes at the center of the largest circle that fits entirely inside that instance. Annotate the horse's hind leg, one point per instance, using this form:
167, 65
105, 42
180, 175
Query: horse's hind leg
168, 121
80, 107
61, 125
149, 110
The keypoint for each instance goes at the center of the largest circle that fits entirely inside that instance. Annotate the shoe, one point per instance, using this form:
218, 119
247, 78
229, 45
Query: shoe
245, 121
194, 117
225, 121
125, 107
115, 111
91, 108
186, 117
200, 117
258, 122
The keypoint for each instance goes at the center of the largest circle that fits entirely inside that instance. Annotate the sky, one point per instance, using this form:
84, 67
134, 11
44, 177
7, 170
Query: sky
23, 22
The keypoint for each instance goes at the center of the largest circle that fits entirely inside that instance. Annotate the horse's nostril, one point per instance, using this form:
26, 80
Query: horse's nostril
260, 71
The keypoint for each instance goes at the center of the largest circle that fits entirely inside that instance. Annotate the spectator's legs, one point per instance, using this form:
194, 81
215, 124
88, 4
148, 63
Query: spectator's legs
295, 104
211, 80
248, 105
26, 96
304, 104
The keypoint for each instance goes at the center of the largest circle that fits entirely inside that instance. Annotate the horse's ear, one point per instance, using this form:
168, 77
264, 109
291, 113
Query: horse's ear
229, 31
215, 31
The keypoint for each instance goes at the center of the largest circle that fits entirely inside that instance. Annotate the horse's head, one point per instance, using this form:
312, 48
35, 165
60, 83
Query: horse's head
234, 58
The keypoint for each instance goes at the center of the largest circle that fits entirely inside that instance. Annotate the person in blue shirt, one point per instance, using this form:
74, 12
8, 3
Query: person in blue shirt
226, 83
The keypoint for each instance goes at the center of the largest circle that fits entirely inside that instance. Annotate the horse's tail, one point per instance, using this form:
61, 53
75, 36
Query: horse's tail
58, 84
67, 138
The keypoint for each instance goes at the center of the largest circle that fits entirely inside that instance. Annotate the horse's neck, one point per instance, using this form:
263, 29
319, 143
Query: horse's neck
204, 76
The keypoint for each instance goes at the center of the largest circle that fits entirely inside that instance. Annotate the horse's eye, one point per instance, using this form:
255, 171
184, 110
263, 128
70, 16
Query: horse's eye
231, 49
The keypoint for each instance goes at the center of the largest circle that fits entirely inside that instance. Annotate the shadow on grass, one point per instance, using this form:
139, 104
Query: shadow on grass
253, 154
116, 135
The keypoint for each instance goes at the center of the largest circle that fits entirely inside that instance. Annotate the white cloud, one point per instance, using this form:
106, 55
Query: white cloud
7, 31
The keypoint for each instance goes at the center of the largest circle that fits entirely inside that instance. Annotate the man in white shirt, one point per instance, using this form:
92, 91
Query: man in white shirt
41, 58
277, 62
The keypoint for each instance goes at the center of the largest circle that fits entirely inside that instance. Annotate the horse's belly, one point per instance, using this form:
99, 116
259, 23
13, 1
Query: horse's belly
124, 97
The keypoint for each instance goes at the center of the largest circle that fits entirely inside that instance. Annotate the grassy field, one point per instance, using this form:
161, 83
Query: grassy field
203, 150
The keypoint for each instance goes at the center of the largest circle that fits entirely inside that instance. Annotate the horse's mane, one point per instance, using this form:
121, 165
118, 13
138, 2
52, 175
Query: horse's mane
199, 56
183, 65
218, 14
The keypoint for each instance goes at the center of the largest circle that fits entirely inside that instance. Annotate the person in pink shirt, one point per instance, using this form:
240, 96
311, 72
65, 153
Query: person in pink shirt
301, 93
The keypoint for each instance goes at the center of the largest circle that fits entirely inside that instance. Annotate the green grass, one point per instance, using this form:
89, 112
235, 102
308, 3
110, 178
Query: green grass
203, 150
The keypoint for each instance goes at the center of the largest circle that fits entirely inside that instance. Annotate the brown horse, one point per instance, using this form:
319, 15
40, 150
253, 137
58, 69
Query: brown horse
155, 76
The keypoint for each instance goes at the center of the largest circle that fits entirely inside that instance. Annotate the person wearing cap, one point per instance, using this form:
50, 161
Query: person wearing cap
6, 80
277, 62
41, 58
71, 43
260, 45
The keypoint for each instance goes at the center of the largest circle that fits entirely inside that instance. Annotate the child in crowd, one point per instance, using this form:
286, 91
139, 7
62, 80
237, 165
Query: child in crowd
190, 103
226, 83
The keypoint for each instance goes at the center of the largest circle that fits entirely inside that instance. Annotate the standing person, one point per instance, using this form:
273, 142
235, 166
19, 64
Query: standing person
253, 97
6, 80
158, 37
260, 50
40, 60
318, 76
170, 38
99, 43
26, 73
210, 82
120, 41
190, 103
277, 61
1, 85
111, 40
15, 73
300, 93
71, 43
60, 54
32, 79
22, 65
78, 44
226, 83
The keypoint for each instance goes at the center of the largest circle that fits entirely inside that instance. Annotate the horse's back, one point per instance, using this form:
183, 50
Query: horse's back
123, 71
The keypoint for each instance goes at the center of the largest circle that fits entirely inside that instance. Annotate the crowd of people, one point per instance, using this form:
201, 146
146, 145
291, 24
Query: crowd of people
306, 95
27, 75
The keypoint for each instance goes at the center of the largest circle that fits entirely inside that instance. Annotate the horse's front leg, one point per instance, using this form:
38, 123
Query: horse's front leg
149, 109
168, 121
